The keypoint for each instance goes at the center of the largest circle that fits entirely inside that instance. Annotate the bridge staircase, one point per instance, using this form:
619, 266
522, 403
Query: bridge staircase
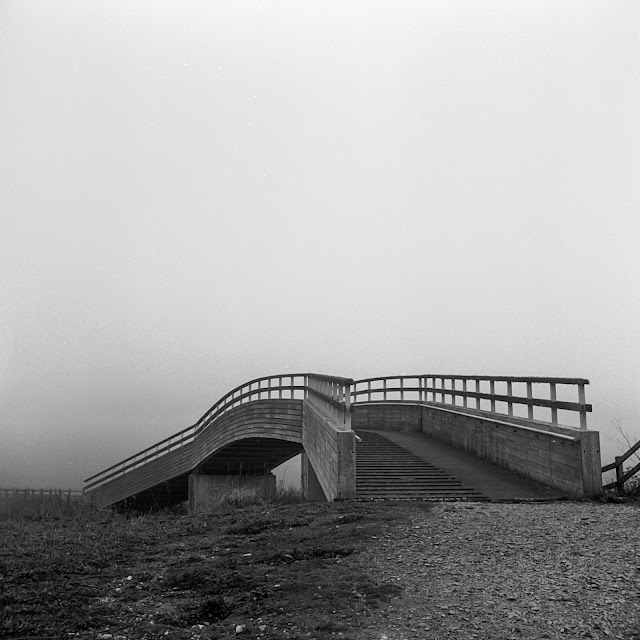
385, 470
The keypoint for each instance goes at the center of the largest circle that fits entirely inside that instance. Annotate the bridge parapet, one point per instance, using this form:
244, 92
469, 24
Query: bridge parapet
457, 391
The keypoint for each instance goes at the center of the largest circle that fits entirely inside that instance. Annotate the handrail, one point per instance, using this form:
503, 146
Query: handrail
621, 476
332, 394
425, 386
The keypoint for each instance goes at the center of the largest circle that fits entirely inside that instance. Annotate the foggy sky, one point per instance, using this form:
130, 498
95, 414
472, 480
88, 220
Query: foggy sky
194, 194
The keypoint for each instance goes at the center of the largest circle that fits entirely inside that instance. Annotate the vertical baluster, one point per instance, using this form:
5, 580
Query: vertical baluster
492, 390
530, 397
510, 394
464, 390
369, 391
477, 388
583, 410
384, 389
553, 397
401, 389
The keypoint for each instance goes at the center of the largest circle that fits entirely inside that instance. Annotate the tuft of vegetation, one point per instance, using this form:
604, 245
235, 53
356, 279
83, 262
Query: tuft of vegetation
252, 569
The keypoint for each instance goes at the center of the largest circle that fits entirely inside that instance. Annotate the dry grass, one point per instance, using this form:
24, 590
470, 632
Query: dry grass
268, 569
41, 504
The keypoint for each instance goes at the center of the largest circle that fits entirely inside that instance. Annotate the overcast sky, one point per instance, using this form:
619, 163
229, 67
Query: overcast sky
194, 194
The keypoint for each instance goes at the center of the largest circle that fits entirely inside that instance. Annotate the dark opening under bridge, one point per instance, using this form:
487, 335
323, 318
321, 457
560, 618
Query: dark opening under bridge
393, 436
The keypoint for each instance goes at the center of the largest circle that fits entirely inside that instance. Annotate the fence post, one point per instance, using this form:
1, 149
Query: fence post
619, 473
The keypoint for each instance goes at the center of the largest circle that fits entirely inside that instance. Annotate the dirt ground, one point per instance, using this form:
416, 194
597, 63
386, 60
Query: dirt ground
348, 570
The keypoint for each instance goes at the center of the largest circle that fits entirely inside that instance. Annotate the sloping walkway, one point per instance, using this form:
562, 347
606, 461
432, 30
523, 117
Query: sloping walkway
495, 482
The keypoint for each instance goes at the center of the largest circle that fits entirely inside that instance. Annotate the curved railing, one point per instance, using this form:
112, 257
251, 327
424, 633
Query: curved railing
329, 393
449, 389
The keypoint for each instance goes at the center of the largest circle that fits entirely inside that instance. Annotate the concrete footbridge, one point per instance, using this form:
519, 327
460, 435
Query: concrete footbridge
430, 437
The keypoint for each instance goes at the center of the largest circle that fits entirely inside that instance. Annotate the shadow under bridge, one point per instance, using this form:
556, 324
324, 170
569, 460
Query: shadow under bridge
238, 442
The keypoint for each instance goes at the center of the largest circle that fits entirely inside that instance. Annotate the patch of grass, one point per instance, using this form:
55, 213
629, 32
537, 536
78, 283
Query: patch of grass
273, 570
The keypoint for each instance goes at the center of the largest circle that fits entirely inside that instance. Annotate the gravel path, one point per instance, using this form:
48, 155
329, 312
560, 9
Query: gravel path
494, 571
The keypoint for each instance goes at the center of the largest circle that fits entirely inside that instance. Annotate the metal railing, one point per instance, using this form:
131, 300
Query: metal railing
329, 393
450, 389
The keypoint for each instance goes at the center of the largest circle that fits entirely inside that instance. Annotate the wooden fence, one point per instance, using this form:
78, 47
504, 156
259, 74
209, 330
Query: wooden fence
40, 494
618, 465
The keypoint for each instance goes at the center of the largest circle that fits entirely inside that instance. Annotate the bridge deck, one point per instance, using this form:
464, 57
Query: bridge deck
495, 482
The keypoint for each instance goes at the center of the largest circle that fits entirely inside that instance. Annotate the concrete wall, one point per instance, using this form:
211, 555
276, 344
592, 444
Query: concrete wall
331, 452
561, 457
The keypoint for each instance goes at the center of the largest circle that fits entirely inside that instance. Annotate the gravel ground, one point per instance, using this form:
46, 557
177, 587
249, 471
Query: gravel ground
474, 570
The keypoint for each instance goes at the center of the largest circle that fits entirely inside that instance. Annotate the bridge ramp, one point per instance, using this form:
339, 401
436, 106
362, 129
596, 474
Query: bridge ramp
486, 479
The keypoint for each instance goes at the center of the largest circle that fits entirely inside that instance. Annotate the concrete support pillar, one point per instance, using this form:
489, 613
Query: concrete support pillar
207, 492
311, 488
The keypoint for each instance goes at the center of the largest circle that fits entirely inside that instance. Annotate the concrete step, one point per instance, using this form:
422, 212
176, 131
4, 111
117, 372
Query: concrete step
384, 471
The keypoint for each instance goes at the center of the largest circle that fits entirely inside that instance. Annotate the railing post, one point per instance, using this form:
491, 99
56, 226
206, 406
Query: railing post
492, 390
510, 394
384, 389
530, 397
347, 407
553, 397
464, 390
583, 411
477, 387
401, 389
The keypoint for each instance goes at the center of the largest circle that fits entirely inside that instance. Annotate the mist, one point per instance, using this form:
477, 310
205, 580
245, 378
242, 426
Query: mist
196, 194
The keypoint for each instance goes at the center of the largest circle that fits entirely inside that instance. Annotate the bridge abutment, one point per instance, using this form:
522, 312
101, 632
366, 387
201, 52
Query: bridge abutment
206, 491
311, 487
330, 450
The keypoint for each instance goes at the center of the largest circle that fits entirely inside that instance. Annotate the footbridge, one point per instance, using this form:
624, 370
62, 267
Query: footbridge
420, 436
